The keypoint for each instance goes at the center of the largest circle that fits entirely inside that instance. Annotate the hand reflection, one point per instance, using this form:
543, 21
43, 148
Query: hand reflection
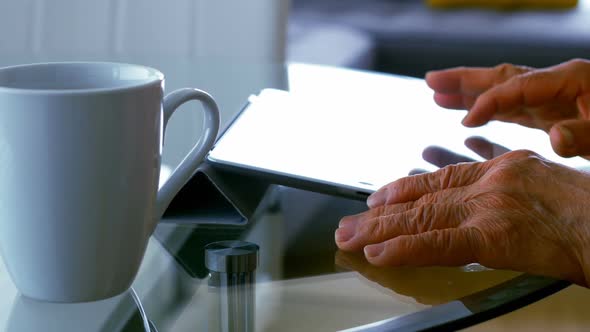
441, 157
427, 285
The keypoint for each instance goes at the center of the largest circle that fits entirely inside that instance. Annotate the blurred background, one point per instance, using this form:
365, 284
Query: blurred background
410, 37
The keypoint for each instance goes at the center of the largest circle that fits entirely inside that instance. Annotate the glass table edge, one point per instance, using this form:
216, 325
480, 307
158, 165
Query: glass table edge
473, 309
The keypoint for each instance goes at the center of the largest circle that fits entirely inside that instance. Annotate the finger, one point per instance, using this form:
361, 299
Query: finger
347, 225
413, 187
442, 157
471, 81
352, 220
417, 171
454, 101
570, 138
527, 90
446, 247
485, 148
451, 195
421, 219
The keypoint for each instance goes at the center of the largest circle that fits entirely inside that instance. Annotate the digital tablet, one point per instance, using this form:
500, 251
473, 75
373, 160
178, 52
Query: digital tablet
353, 144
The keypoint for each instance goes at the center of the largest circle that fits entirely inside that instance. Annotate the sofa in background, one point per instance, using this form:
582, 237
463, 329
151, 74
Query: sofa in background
408, 37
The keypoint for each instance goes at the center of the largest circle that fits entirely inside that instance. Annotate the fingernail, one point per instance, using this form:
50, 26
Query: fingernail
466, 122
376, 199
566, 136
345, 222
344, 234
374, 250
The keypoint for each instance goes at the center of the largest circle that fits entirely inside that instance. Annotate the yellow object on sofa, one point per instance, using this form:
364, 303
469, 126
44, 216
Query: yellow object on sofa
521, 4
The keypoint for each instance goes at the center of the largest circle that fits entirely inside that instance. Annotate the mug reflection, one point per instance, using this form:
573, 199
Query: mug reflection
123, 313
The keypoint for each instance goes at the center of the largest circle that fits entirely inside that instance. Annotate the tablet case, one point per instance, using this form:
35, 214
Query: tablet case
215, 196
214, 205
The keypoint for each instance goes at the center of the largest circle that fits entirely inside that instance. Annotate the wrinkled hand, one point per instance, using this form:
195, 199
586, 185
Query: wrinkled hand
517, 211
554, 99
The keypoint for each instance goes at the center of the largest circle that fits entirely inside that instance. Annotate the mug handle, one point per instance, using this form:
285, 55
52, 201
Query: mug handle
193, 159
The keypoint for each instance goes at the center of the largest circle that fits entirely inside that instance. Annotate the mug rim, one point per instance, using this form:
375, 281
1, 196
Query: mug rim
158, 77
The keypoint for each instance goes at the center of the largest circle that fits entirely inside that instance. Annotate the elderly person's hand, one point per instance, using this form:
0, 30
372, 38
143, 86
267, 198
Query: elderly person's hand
517, 211
554, 99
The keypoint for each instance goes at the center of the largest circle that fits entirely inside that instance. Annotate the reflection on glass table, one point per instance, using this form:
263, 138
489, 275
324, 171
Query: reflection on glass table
304, 283
121, 313
451, 283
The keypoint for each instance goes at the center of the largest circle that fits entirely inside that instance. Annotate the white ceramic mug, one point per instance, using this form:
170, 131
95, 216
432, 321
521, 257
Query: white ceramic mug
80, 153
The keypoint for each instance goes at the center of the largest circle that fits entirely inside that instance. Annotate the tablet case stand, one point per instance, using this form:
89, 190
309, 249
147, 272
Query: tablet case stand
216, 196
214, 205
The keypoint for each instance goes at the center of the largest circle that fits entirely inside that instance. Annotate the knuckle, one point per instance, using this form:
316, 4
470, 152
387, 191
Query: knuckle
523, 83
517, 158
410, 181
425, 199
520, 69
521, 155
504, 69
374, 228
422, 217
347, 219
444, 176
396, 208
527, 79
378, 211
450, 175
577, 62
529, 160
422, 212
387, 210
516, 167
575, 66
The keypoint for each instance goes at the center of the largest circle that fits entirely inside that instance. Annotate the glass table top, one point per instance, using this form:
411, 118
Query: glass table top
302, 282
